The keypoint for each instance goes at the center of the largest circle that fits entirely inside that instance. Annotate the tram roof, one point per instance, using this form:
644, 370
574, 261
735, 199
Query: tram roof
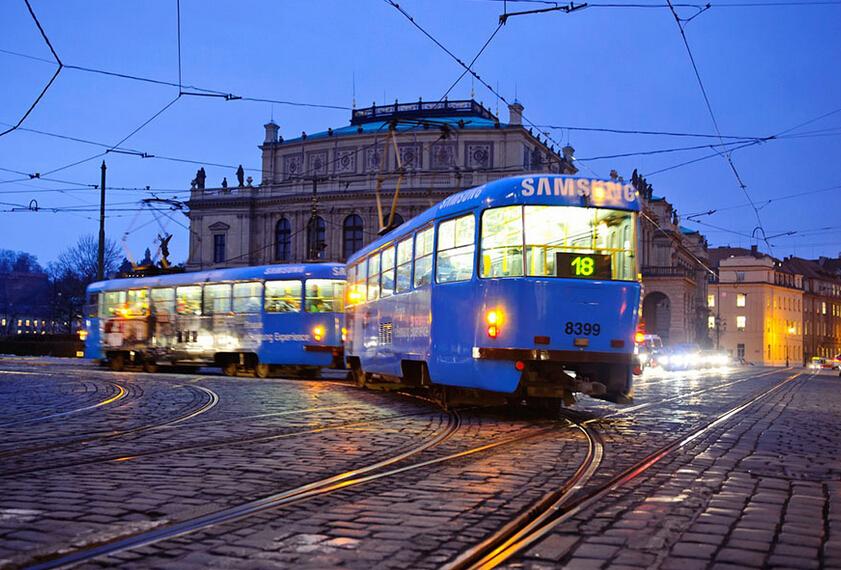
382, 127
525, 189
280, 271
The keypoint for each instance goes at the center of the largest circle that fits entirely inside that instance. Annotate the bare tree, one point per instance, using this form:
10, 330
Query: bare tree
81, 259
73, 271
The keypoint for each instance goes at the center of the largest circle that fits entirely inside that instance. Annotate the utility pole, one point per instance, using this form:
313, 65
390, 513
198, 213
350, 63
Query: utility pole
314, 246
100, 268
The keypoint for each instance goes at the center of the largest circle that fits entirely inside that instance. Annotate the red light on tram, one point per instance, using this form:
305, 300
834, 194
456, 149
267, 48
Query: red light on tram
493, 331
639, 337
520, 365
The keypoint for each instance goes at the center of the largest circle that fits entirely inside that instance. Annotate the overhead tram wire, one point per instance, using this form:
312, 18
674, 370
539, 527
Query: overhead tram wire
726, 154
747, 144
194, 90
763, 204
464, 65
658, 151
49, 83
131, 151
473, 61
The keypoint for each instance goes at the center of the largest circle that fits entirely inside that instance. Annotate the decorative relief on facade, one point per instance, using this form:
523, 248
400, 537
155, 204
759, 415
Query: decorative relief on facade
317, 163
345, 161
292, 166
411, 156
443, 156
373, 159
219, 227
478, 155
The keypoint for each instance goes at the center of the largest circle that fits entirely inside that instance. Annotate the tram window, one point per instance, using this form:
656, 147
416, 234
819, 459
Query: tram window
188, 300
454, 260
404, 266
137, 304
163, 302
217, 299
502, 242
423, 257
325, 296
374, 277
388, 272
283, 296
92, 306
247, 297
356, 282
113, 302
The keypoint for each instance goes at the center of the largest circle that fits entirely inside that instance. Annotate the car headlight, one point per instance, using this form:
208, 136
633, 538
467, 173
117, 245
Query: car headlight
663, 359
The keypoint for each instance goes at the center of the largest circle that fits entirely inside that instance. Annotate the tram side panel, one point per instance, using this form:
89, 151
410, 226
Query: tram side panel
306, 339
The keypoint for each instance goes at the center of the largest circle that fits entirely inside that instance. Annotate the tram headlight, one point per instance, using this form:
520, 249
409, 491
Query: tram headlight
494, 320
344, 334
318, 333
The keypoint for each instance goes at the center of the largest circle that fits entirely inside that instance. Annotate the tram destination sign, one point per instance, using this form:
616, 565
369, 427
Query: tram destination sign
583, 266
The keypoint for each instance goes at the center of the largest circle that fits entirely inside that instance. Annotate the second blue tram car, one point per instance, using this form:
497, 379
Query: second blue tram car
249, 318
526, 286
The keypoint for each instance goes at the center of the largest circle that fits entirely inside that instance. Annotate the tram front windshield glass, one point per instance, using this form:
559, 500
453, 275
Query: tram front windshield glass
525, 240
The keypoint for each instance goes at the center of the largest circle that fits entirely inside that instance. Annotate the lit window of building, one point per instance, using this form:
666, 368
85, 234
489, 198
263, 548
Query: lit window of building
711, 300
711, 322
741, 321
740, 299
823, 307
27, 320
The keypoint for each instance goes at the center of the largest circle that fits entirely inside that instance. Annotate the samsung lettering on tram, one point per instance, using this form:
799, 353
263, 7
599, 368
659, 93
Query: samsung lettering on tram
245, 319
526, 286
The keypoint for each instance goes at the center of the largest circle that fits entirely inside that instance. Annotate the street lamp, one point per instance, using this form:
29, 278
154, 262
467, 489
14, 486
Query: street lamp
791, 330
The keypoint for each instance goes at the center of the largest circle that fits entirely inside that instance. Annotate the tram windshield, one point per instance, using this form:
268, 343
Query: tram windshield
558, 241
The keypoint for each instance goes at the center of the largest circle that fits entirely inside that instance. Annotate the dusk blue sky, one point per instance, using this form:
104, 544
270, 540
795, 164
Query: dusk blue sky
766, 69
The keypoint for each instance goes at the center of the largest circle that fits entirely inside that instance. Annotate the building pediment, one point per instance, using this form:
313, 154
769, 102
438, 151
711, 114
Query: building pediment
219, 227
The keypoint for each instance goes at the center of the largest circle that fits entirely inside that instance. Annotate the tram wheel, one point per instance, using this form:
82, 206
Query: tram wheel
150, 366
117, 362
261, 370
229, 369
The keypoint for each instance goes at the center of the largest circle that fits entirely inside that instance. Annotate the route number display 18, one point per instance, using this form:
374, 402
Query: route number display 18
582, 266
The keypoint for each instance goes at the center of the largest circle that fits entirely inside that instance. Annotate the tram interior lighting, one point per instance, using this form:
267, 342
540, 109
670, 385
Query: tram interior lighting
318, 333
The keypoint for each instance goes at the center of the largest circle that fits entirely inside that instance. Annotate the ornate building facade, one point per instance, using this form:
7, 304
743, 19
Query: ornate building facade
675, 269
318, 196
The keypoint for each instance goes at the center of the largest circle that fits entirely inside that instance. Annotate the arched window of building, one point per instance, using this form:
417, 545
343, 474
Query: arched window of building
316, 237
352, 229
283, 240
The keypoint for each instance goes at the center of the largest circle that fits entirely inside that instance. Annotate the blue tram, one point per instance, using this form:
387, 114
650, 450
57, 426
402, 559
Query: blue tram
250, 318
526, 286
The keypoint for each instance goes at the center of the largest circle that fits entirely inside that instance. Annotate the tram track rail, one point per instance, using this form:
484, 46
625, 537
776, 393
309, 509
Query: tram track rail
212, 399
262, 438
348, 479
122, 392
558, 506
250, 508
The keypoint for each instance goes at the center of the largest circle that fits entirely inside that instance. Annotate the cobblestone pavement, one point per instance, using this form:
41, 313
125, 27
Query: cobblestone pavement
88, 456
